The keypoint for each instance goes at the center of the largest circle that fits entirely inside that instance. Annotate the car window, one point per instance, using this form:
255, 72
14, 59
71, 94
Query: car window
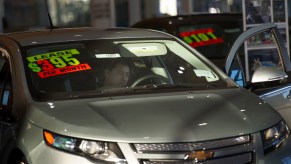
261, 52
96, 66
237, 73
262, 58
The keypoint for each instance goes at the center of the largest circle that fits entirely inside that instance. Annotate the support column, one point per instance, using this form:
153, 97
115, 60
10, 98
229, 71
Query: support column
186, 6
112, 13
102, 13
134, 11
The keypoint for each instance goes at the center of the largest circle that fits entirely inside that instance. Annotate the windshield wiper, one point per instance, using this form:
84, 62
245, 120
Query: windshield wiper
149, 87
172, 86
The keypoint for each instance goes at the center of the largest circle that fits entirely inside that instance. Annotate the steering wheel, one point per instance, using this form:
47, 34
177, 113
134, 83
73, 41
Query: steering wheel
151, 76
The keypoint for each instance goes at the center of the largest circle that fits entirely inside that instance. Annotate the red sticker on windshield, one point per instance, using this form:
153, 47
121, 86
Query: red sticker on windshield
201, 37
64, 70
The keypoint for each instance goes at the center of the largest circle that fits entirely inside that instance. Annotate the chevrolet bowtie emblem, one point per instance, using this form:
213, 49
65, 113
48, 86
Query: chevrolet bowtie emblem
199, 156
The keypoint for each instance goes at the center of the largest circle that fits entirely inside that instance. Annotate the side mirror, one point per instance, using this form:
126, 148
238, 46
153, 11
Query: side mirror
268, 74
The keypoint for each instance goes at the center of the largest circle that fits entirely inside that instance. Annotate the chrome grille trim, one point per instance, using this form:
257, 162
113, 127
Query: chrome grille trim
244, 158
184, 147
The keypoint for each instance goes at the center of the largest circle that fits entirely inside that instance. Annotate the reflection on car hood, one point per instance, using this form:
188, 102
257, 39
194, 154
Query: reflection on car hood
182, 116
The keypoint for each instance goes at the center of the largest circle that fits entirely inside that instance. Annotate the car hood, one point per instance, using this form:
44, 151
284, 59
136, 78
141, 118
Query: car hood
162, 117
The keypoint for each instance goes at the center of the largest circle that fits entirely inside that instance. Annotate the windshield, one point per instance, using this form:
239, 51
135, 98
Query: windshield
102, 67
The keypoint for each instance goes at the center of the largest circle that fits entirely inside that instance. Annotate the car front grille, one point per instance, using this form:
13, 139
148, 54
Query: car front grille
236, 150
177, 147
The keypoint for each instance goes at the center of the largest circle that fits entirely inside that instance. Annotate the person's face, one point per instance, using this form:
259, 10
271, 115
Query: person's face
117, 77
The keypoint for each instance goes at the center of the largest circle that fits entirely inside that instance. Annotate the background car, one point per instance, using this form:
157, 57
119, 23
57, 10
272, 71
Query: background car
176, 106
211, 34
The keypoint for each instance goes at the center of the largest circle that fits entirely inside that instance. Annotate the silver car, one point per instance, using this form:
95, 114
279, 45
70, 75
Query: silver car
84, 96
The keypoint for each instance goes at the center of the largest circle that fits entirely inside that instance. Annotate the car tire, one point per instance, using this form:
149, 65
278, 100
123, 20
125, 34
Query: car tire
18, 160
22, 161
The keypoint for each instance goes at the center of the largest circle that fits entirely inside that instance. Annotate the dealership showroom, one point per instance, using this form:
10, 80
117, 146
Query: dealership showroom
145, 82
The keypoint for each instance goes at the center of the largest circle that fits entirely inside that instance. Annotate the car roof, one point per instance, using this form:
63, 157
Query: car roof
193, 19
82, 33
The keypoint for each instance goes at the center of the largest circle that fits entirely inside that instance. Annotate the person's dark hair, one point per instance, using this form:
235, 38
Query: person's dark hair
122, 61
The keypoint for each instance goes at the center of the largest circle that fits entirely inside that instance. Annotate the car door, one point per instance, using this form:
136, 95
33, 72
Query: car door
259, 62
6, 98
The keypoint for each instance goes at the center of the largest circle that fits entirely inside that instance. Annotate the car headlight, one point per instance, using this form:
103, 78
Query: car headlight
98, 150
274, 136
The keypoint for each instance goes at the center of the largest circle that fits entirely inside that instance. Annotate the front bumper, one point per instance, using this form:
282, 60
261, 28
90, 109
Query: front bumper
252, 151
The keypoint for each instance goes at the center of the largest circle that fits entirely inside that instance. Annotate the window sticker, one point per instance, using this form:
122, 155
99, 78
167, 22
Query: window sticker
201, 37
107, 56
143, 49
146, 49
204, 73
56, 63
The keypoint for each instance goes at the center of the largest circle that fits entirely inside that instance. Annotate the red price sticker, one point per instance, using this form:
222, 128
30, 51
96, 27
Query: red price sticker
64, 70
201, 37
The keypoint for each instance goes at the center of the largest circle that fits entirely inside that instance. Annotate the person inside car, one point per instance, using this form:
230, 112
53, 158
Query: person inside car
117, 74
